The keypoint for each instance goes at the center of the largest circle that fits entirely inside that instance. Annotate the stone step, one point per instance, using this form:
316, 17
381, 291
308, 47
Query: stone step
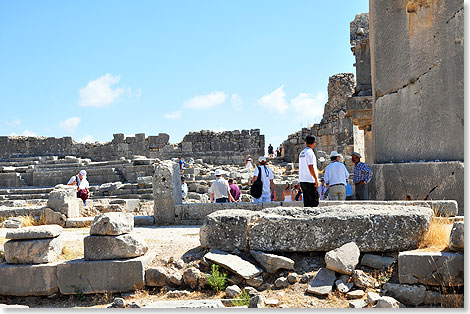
32, 190
24, 196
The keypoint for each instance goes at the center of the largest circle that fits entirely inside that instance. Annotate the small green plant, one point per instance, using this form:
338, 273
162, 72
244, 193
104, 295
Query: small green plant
242, 300
79, 293
216, 279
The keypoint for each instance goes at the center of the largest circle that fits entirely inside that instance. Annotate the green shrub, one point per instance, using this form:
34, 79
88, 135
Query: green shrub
216, 279
242, 300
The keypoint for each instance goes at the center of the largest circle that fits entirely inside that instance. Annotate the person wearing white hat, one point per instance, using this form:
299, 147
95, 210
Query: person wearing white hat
82, 185
220, 189
267, 177
336, 176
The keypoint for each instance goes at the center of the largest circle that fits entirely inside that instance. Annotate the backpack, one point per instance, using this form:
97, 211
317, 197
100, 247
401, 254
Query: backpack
257, 187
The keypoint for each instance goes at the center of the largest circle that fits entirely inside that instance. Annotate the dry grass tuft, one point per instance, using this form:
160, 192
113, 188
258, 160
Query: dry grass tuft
438, 235
29, 221
71, 251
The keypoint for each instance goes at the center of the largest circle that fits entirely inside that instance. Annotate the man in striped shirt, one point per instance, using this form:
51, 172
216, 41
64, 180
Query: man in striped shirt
362, 177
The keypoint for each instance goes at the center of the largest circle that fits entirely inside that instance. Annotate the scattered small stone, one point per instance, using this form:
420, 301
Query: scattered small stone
356, 294
372, 297
179, 264
281, 282
357, 304
177, 293
257, 301
255, 282
251, 291
323, 282
119, 303
363, 280
292, 278
387, 302
271, 262
271, 302
232, 291
176, 279
234, 280
343, 259
265, 286
377, 261
307, 277
190, 277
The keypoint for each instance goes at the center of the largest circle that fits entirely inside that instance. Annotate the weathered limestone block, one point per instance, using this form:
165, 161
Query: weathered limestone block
80, 276
227, 230
372, 227
156, 277
28, 280
272, 263
13, 223
32, 251
322, 283
113, 247
109, 187
431, 268
35, 232
457, 236
113, 223
377, 261
344, 259
51, 217
406, 294
166, 186
235, 263
64, 199
363, 280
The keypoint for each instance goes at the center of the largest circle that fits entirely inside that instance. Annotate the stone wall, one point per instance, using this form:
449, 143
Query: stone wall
120, 146
228, 147
335, 131
418, 80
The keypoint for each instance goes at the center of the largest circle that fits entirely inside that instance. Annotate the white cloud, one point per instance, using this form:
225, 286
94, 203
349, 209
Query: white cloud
14, 123
173, 115
205, 101
275, 101
309, 105
236, 101
98, 93
25, 133
70, 125
87, 139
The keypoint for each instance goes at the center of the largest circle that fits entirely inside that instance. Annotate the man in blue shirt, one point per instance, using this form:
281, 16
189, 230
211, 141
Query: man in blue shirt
336, 176
362, 177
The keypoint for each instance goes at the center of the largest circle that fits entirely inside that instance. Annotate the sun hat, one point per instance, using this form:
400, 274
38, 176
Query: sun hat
82, 173
262, 159
334, 154
219, 172
356, 154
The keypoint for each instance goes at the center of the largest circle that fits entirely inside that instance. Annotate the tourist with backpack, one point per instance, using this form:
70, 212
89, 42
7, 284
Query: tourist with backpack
263, 181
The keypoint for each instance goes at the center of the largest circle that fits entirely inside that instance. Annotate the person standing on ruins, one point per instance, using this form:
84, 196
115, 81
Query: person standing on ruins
220, 190
308, 173
249, 163
271, 151
336, 177
82, 185
234, 189
362, 177
322, 189
184, 189
267, 177
180, 162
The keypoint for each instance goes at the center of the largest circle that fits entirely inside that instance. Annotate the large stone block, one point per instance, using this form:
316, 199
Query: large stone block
427, 180
227, 230
372, 227
28, 280
80, 276
35, 232
64, 199
431, 268
166, 186
33, 251
113, 223
418, 75
113, 247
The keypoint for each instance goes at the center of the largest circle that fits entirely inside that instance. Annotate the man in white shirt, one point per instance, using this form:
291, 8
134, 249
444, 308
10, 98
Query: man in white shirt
184, 189
336, 176
267, 177
220, 190
82, 185
308, 173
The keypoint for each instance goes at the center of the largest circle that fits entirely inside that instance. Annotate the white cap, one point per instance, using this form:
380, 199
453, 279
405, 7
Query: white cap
82, 173
334, 154
262, 159
219, 172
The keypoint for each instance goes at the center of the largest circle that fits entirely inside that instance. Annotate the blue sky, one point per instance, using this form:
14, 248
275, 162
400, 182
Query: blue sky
89, 69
